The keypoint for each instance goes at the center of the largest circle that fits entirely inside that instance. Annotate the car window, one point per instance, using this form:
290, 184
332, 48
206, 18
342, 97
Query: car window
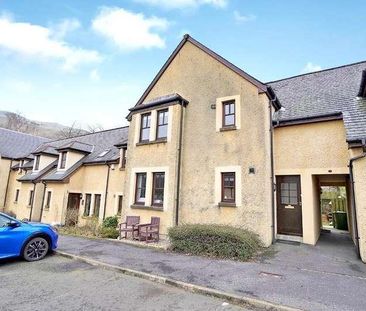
4, 221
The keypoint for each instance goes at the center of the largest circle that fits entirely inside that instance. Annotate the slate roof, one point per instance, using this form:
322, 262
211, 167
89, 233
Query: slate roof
324, 93
15, 145
95, 144
77, 146
35, 176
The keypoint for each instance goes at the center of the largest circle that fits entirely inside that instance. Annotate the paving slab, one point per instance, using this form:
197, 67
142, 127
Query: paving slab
328, 276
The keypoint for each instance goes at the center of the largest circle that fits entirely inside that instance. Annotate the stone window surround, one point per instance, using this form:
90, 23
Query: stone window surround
218, 187
219, 113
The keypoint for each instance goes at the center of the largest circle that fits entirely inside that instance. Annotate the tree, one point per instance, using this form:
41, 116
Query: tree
17, 122
70, 131
93, 128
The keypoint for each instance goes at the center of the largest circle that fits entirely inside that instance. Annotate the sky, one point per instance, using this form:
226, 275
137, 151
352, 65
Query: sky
89, 61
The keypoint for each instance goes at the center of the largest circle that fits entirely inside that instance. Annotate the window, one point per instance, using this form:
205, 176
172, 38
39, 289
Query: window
289, 193
30, 201
145, 127
87, 204
228, 113
36, 163
4, 221
228, 187
97, 198
162, 126
102, 154
63, 160
158, 189
123, 159
16, 195
119, 207
140, 188
48, 199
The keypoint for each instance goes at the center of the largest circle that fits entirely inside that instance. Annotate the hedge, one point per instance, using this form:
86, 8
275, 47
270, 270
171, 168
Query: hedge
215, 241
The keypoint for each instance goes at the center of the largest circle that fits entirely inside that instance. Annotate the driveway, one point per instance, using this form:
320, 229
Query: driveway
58, 283
328, 276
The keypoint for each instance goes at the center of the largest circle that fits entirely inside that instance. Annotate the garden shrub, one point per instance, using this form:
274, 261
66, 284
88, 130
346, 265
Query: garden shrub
215, 241
108, 232
110, 222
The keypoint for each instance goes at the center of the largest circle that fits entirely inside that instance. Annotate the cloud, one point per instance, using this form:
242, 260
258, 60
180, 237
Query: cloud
310, 67
66, 26
182, 4
128, 30
41, 43
244, 18
94, 75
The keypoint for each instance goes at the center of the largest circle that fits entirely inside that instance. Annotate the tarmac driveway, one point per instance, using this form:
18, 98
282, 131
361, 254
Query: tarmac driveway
328, 276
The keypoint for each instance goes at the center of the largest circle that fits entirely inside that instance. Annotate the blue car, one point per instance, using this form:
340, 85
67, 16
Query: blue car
32, 241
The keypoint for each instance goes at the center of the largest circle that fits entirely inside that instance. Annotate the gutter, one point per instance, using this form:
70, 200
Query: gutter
357, 237
7, 184
34, 195
179, 164
311, 119
272, 172
43, 196
106, 190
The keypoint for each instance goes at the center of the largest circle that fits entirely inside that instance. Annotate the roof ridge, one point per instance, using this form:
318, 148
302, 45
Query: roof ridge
18, 132
318, 71
86, 134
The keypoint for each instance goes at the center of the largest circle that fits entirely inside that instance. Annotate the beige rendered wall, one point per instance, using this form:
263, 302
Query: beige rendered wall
308, 150
359, 175
206, 151
4, 173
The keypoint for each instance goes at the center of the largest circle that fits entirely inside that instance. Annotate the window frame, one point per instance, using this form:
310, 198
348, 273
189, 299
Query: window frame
36, 162
232, 200
164, 111
31, 197
148, 115
17, 191
99, 196
136, 188
154, 188
63, 159
87, 195
123, 159
48, 199
224, 115
119, 204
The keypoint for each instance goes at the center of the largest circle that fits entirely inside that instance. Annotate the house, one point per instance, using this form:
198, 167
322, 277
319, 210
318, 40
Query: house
71, 180
15, 149
209, 143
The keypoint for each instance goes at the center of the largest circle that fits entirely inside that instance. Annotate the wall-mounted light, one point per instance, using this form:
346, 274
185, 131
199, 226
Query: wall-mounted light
213, 106
251, 170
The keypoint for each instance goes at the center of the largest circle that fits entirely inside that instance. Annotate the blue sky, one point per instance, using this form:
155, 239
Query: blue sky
89, 61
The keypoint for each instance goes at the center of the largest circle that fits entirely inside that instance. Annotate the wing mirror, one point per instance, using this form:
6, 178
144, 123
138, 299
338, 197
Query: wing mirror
13, 224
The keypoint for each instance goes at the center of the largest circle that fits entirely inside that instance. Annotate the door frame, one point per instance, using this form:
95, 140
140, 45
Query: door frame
279, 231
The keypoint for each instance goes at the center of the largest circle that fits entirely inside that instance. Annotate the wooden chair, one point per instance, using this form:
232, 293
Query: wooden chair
149, 232
130, 225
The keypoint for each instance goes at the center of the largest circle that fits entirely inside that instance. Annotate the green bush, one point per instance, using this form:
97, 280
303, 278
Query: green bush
110, 233
110, 222
215, 241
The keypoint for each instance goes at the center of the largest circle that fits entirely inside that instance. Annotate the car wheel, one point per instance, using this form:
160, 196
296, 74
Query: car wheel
36, 249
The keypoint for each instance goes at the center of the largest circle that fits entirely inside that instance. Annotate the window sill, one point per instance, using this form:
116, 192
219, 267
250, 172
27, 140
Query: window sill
228, 128
122, 168
226, 204
146, 207
153, 142
29, 206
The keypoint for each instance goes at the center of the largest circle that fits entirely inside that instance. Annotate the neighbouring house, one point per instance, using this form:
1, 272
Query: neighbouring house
15, 149
208, 143
72, 180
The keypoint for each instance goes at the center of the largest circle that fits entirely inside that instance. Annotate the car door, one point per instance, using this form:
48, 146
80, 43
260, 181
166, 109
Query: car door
11, 238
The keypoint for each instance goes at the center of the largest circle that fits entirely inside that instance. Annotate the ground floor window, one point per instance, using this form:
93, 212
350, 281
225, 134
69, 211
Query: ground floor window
158, 189
48, 199
119, 206
16, 196
97, 199
140, 188
228, 187
87, 204
31, 195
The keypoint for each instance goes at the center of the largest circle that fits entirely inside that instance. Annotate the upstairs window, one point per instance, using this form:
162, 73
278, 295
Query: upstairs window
145, 127
140, 195
63, 160
36, 163
162, 125
228, 187
228, 113
158, 189
123, 158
